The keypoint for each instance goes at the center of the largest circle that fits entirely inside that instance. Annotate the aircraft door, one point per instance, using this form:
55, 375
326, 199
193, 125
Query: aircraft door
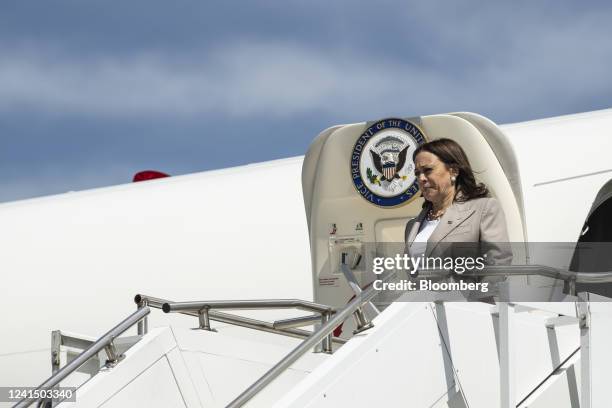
594, 245
360, 191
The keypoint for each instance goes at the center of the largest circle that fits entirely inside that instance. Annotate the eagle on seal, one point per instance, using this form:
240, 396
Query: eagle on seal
385, 163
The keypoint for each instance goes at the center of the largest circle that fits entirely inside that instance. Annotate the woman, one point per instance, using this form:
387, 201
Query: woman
457, 209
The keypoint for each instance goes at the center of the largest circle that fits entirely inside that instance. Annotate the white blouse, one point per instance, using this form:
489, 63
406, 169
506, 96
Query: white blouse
419, 245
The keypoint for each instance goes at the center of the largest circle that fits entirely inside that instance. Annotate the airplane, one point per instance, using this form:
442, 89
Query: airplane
271, 240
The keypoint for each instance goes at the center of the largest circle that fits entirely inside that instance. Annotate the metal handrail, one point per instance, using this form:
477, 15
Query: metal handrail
527, 270
368, 294
296, 322
306, 345
247, 305
102, 343
233, 319
203, 310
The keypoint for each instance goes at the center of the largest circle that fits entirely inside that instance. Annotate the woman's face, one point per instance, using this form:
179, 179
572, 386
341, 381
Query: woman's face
434, 177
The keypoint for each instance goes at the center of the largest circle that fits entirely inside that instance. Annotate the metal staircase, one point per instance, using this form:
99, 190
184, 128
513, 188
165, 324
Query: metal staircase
590, 313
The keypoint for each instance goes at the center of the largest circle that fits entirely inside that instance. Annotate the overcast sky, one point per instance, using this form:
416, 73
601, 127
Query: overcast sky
92, 92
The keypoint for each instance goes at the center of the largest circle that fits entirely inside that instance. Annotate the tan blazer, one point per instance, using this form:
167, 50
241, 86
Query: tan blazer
480, 220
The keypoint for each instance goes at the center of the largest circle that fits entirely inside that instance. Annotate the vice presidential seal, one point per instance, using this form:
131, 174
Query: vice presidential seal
381, 163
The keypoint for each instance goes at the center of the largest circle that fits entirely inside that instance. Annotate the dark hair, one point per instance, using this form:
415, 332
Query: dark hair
451, 154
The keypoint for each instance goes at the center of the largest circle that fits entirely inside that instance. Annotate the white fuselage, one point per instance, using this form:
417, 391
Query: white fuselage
75, 261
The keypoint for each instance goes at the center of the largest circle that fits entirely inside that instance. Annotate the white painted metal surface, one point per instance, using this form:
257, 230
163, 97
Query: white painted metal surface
596, 337
507, 356
392, 362
193, 369
564, 162
420, 353
561, 390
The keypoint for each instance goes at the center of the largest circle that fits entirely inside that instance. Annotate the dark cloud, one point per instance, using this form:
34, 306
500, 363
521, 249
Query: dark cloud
90, 94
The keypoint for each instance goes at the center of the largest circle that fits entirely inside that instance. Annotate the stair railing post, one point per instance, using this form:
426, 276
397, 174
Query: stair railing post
506, 356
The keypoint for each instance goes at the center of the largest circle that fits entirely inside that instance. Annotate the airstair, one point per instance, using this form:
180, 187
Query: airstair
443, 353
